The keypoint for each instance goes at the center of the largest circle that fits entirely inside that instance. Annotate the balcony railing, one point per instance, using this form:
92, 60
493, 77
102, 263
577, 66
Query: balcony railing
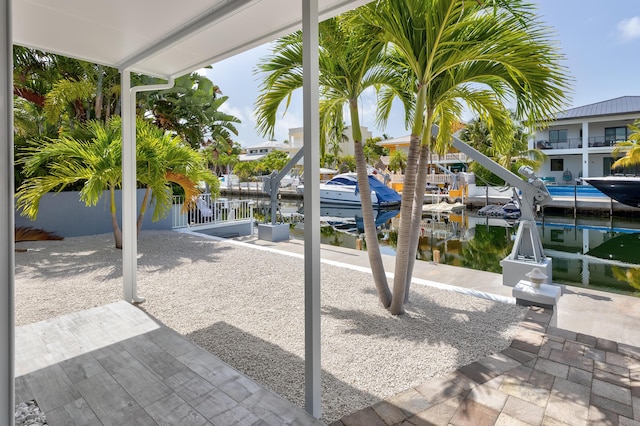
576, 143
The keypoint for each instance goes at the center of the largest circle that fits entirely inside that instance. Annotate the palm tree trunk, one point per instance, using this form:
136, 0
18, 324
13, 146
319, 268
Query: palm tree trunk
143, 210
117, 234
371, 236
421, 181
404, 232
99, 96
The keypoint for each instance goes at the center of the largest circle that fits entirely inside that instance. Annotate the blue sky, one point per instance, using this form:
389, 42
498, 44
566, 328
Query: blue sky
600, 39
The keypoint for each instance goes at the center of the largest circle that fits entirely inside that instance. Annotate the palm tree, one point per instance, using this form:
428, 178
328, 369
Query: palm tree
350, 62
456, 52
92, 155
631, 146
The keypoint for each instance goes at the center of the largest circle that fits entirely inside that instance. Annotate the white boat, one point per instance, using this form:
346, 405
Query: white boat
343, 189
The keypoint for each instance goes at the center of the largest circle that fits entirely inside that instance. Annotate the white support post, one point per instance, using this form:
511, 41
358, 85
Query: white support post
311, 123
7, 212
129, 201
585, 149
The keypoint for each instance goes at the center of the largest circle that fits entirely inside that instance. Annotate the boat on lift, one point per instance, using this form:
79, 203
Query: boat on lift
343, 189
624, 189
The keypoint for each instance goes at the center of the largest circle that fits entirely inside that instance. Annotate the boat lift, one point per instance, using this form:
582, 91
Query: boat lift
527, 248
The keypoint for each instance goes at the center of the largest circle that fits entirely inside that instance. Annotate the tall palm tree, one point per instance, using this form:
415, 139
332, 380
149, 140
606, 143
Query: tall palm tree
482, 54
349, 62
631, 146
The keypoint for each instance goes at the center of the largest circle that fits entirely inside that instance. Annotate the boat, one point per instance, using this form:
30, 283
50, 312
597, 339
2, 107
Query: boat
507, 211
624, 189
343, 189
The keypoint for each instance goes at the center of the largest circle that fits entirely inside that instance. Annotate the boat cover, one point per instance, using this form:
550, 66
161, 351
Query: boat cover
385, 194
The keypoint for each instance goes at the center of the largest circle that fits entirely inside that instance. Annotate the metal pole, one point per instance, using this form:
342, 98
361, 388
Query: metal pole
7, 217
575, 200
311, 122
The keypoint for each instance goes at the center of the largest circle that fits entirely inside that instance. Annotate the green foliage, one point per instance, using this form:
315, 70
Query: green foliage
245, 170
372, 151
398, 161
191, 109
346, 163
490, 244
275, 160
631, 148
477, 133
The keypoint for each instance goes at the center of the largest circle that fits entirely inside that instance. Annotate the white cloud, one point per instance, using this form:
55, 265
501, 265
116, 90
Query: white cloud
629, 28
236, 112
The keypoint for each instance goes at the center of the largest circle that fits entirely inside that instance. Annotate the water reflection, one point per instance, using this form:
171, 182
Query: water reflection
587, 252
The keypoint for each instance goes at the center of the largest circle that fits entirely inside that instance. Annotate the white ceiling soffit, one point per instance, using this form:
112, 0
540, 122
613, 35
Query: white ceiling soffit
158, 37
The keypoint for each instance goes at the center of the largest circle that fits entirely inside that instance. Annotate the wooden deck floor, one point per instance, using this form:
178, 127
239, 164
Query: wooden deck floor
116, 365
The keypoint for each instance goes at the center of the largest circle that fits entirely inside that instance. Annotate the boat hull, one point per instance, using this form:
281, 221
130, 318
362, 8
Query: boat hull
625, 190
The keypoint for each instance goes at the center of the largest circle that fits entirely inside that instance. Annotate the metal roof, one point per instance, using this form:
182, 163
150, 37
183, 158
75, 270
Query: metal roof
621, 105
160, 37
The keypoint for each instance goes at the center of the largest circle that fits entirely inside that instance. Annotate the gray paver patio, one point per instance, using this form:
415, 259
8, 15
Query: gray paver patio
116, 365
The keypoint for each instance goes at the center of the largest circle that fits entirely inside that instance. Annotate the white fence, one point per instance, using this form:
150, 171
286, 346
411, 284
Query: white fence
209, 211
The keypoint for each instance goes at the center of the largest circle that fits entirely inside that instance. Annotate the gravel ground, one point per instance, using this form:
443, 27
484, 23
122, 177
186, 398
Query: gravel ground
247, 307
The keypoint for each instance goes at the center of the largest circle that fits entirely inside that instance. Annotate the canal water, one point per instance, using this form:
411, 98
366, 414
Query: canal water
602, 253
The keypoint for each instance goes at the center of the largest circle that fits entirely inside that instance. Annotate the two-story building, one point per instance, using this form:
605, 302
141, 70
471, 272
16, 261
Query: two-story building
579, 142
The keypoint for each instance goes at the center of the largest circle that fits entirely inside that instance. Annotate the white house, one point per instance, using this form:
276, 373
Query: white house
256, 152
296, 139
580, 141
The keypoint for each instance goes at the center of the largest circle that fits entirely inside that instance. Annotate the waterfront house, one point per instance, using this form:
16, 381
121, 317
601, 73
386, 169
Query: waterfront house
579, 142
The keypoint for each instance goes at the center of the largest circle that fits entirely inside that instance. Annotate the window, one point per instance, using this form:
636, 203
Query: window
557, 164
607, 162
615, 134
558, 136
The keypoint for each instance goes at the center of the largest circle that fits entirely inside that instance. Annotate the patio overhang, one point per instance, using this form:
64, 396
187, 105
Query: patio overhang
162, 39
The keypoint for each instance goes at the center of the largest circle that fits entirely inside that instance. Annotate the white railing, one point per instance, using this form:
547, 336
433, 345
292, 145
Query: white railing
454, 157
206, 210
432, 178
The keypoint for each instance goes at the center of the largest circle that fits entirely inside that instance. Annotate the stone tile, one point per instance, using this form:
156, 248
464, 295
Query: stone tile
595, 354
170, 341
81, 367
535, 326
520, 356
549, 421
389, 413
571, 391
614, 392
153, 356
552, 367
610, 405
74, 413
635, 375
571, 359
573, 346
541, 379
538, 315
445, 387
240, 416
622, 360
507, 420
635, 388
173, 410
144, 386
499, 363
567, 411
587, 340
410, 401
526, 346
240, 388
522, 372
566, 334
336, 423
496, 382
110, 402
188, 385
547, 347
611, 368
523, 410
274, 410
213, 403
364, 417
22, 391
636, 408
439, 414
478, 372
488, 396
625, 421
525, 391
580, 376
630, 351
471, 413
600, 416
51, 388
607, 345
605, 376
